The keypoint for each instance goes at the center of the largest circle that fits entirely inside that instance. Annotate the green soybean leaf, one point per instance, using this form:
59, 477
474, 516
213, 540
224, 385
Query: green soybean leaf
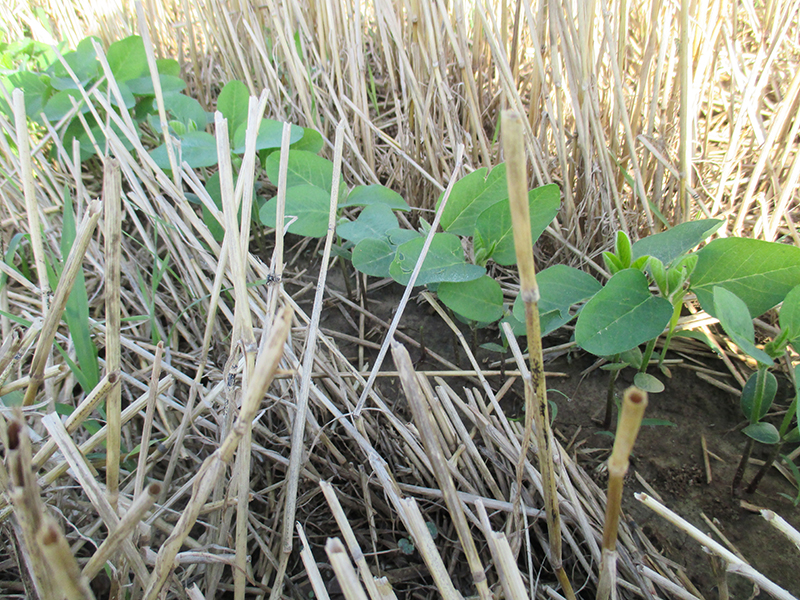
760, 273
311, 141
444, 261
233, 103
669, 245
168, 66
401, 236
304, 168
143, 86
365, 195
268, 138
560, 287
648, 383
492, 347
186, 110
790, 313
82, 61
749, 394
197, 148
60, 104
373, 257
477, 300
34, 88
621, 316
127, 58
493, 229
308, 203
766, 433
622, 249
736, 321
373, 222
470, 196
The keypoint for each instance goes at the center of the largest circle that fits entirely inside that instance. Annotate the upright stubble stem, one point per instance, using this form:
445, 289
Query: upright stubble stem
536, 409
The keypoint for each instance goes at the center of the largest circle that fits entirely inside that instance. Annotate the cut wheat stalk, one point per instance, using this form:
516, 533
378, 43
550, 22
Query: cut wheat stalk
535, 388
300, 418
634, 403
112, 191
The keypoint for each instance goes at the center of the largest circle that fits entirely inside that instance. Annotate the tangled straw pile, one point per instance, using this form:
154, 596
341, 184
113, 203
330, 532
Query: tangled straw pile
627, 124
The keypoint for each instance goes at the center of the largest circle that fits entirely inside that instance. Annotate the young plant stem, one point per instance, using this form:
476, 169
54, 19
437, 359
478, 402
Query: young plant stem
755, 416
634, 404
737, 477
776, 449
648, 352
676, 313
513, 146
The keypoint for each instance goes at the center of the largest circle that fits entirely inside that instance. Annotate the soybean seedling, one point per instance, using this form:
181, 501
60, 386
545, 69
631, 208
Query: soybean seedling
760, 389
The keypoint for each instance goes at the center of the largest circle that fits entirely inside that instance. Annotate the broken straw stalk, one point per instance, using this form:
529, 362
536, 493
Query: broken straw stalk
538, 415
634, 404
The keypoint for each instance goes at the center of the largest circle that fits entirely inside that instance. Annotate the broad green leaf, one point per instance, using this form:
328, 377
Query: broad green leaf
83, 62
310, 142
477, 300
401, 236
760, 273
34, 88
470, 196
736, 321
168, 66
233, 102
648, 383
621, 316
492, 347
197, 148
309, 204
128, 99
749, 395
75, 130
373, 222
364, 195
60, 104
185, 110
493, 228
127, 58
560, 287
143, 86
669, 245
765, 433
373, 257
268, 138
622, 249
304, 168
444, 261
790, 313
